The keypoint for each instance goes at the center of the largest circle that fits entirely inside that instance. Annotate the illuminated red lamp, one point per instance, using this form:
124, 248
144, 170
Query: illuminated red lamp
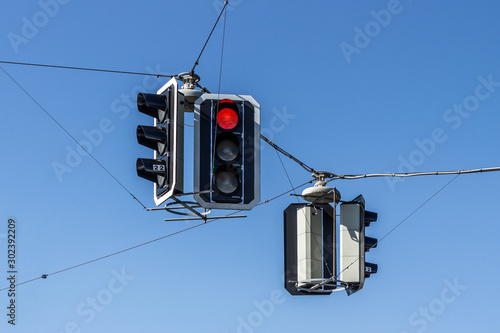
227, 117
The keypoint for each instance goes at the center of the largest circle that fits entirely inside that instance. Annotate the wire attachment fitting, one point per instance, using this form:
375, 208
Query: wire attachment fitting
190, 81
320, 193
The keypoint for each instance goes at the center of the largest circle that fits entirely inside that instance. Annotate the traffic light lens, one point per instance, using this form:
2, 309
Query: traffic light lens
226, 181
227, 119
227, 150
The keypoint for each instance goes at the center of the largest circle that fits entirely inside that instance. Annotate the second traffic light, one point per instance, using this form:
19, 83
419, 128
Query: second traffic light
353, 244
227, 151
166, 138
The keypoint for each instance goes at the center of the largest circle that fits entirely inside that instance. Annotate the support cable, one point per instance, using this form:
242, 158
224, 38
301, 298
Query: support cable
222, 52
400, 223
211, 32
44, 276
281, 150
413, 174
85, 69
72, 137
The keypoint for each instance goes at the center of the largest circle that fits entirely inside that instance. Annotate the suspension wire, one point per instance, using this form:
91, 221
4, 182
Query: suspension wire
85, 69
44, 276
222, 54
281, 150
215, 25
400, 223
292, 190
286, 172
216, 111
72, 137
413, 174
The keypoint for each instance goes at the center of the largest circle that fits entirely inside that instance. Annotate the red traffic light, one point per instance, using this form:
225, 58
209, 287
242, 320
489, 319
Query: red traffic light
227, 116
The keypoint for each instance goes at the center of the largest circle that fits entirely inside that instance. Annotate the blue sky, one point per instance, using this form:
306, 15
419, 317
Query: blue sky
346, 86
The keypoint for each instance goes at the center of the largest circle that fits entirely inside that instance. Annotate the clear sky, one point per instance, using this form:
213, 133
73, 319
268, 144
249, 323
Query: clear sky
346, 86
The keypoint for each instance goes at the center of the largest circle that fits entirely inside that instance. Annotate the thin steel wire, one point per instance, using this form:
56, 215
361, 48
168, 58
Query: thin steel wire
84, 69
72, 137
210, 35
413, 174
281, 150
44, 276
400, 223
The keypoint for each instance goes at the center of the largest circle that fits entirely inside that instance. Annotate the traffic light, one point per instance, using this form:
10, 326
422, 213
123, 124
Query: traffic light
353, 244
309, 234
166, 138
227, 151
